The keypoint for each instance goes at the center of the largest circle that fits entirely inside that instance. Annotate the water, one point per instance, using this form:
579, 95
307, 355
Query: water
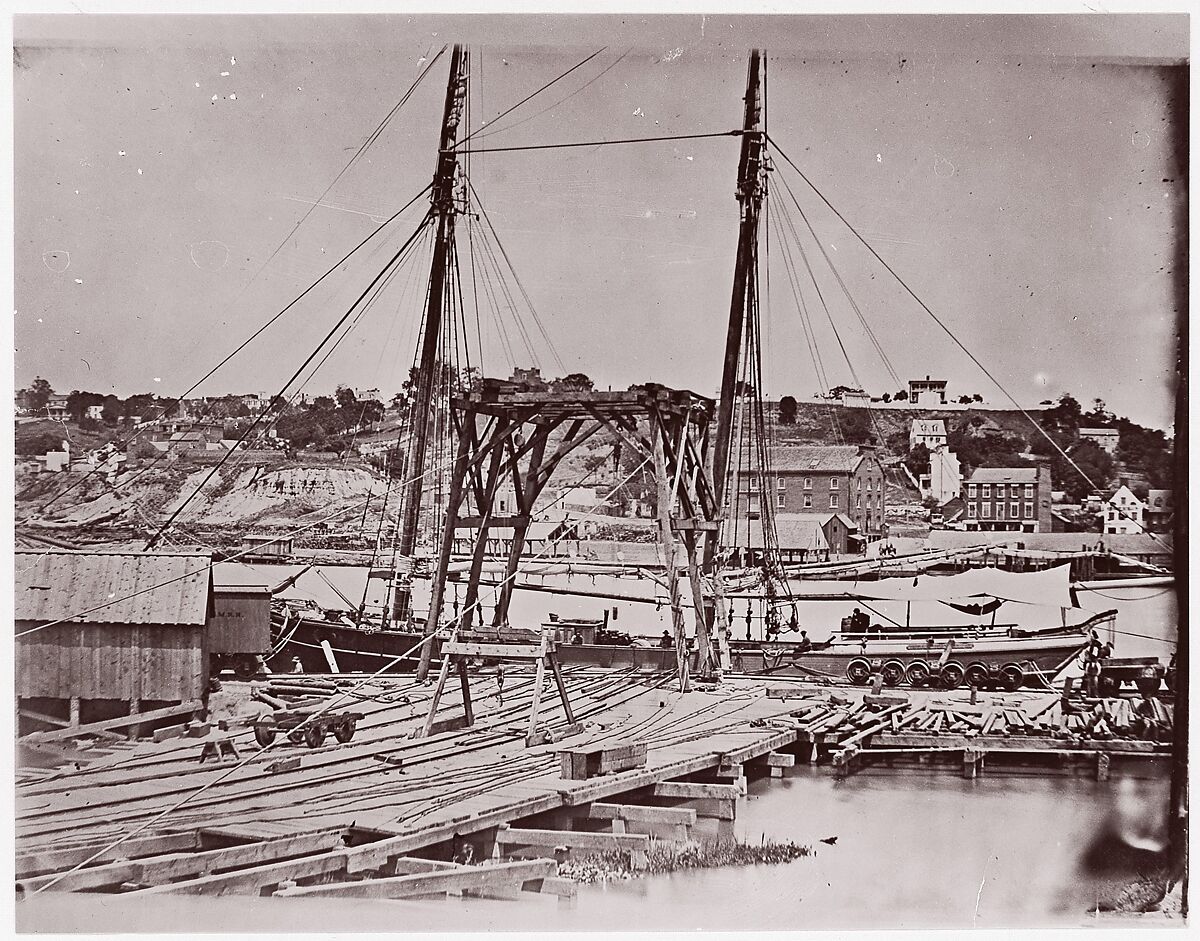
921, 848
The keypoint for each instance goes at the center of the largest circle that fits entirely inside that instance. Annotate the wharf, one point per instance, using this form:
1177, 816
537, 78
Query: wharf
387, 814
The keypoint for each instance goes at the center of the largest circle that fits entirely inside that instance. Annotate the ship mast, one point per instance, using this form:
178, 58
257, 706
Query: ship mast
750, 191
442, 199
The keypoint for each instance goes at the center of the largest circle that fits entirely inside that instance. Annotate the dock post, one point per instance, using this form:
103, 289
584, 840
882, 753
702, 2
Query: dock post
74, 711
1103, 760
972, 762
135, 731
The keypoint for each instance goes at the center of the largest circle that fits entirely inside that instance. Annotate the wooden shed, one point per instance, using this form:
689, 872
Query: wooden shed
107, 634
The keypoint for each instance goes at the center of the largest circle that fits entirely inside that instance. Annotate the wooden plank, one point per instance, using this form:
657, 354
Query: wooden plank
573, 839
677, 816
156, 870
250, 881
469, 877
56, 860
689, 791
1027, 743
192, 705
501, 651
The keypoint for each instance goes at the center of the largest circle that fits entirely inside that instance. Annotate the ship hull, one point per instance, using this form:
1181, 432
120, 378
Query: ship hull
354, 649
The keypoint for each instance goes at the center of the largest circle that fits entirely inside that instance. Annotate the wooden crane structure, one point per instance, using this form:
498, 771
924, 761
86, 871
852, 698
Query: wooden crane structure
508, 433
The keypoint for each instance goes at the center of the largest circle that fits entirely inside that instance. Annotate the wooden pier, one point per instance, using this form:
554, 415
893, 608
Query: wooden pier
474, 809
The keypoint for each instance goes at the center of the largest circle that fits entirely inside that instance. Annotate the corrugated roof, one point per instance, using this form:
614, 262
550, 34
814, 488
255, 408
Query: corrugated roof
52, 586
821, 458
1004, 475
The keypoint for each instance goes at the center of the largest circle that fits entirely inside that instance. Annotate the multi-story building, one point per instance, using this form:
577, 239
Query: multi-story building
1160, 510
944, 480
1107, 438
926, 391
929, 432
1124, 513
818, 479
1008, 498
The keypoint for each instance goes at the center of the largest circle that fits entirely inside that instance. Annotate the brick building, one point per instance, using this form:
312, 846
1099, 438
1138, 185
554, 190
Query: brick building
1008, 498
812, 479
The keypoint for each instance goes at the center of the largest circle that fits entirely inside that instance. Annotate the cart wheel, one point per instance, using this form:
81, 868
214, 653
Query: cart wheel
1012, 677
918, 673
295, 737
858, 672
952, 675
314, 735
264, 730
344, 730
977, 675
893, 672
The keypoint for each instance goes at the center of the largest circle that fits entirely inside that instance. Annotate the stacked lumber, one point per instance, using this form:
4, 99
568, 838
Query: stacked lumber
298, 693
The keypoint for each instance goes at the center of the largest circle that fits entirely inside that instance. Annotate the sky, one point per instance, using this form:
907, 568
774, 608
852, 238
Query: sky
1021, 174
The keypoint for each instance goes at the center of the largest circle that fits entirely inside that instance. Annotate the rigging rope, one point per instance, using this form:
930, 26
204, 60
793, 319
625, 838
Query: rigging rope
942, 324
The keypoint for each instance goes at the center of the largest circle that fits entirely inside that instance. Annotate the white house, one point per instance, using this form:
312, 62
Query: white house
1124, 513
95, 412
944, 480
929, 432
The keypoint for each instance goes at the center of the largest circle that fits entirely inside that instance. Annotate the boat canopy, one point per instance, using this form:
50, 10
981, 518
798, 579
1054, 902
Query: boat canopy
1046, 587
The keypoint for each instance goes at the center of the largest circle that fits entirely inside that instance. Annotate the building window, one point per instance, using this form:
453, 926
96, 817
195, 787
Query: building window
972, 490
859, 484
781, 483
1016, 491
754, 485
833, 501
987, 510
971, 511
807, 500
833, 483
999, 511
858, 502
1014, 510
1028, 511
783, 501
1029, 491
808, 483
987, 491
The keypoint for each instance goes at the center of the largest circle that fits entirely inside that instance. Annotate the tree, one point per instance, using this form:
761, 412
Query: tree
1094, 462
112, 410
918, 460
1064, 416
901, 396
322, 403
964, 400
577, 380
37, 396
39, 444
976, 397
856, 426
887, 397
787, 410
79, 402
345, 397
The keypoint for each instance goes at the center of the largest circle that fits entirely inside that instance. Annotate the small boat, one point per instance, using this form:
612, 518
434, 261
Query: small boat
330, 642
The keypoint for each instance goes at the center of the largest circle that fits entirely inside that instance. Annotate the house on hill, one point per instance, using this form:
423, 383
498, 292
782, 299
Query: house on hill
1107, 438
927, 391
929, 432
1008, 499
819, 479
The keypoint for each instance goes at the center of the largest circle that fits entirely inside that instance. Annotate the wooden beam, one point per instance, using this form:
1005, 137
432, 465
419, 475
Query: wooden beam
427, 883
572, 839
676, 816
156, 870
52, 860
476, 522
689, 791
58, 735
1024, 743
503, 651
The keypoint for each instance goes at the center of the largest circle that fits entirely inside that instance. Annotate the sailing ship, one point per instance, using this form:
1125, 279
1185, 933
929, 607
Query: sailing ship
353, 639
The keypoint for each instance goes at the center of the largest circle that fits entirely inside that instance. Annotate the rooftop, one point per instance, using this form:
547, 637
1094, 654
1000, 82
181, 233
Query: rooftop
1004, 475
122, 587
827, 458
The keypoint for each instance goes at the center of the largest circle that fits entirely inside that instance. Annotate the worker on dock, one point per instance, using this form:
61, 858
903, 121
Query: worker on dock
804, 643
860, 622
665, 641
500, 684
577, 639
